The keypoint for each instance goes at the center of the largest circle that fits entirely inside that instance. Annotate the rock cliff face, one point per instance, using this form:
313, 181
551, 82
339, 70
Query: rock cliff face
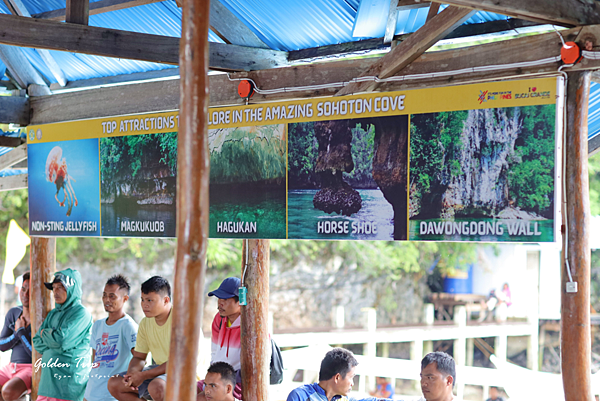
488, 141
390, 167
151, 186
335, 157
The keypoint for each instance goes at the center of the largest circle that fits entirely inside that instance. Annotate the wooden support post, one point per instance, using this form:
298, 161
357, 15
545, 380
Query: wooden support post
255, 337
192, 203
575, 306
78, 11
501, 347
370, 348
429, 314
385, 349
42, 261
470, 351
460, 345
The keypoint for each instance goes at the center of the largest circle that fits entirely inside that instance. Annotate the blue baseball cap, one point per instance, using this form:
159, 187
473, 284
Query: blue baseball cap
228, 288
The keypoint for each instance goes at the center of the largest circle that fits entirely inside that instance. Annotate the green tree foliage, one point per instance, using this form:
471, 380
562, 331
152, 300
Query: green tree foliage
363, 150
125, 156
434, 146
303, 149
531, 172
249, 155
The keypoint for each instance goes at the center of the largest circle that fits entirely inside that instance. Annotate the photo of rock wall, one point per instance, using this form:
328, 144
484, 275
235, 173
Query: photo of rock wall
483, 174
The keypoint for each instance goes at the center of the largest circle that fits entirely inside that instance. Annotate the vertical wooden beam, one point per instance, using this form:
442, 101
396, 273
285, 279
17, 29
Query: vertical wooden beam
575, 306
434, 8
255, 336
192, 202
78, 11
390, 27
42, 261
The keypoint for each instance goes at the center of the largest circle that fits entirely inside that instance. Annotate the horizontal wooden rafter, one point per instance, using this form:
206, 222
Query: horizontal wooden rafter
12, 182
225, 24
44, 34
98, 7
560, 12
11, 142
120, 79
404, 5
117, 100
377, 44
14, 110
594, 145
13, 157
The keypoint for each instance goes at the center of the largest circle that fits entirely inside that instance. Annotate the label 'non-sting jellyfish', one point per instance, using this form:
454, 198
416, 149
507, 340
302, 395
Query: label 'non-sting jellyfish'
56, 172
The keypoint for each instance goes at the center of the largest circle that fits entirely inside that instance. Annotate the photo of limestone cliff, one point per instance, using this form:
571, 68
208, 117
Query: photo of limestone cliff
138, 185
248, 182
483, 175
347, 179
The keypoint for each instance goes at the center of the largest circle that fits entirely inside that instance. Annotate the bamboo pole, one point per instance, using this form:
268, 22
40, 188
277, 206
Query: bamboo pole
192, 202
42, 261
575, 306
255, 321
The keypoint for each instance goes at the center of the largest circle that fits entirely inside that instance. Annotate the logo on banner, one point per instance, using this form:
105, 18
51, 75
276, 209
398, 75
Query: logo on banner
482, 96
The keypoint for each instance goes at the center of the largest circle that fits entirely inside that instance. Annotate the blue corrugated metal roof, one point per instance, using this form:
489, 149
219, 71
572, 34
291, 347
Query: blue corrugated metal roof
594, 111
282, 25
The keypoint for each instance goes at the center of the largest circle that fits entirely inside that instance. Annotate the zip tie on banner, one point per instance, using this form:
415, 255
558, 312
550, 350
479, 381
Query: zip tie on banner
400, 78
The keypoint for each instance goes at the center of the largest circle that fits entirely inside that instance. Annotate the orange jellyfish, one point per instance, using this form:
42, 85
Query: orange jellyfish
56, 172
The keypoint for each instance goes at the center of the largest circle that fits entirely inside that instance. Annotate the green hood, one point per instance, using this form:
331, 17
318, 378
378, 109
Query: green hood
71, 280
63, 340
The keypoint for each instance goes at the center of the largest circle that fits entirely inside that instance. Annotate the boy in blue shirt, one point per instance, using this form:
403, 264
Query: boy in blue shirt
112, 340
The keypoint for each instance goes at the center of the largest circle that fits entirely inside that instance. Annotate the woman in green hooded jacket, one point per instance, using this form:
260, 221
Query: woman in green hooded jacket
63, 340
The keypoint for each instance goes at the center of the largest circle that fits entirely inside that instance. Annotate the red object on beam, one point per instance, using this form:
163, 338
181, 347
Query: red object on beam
245, 88
570, 53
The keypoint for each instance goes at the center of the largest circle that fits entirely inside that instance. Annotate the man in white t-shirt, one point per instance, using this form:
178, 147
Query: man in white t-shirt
112, 340
438, 375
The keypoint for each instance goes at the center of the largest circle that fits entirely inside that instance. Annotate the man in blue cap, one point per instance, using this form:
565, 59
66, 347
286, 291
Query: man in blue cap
226, 334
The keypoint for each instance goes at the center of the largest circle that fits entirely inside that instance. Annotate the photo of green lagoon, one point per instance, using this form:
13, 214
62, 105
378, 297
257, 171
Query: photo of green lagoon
248, 182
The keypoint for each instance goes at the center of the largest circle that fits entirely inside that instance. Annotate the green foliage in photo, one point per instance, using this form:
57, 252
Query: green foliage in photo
531, 175
363, 150
126, 156
249, 155
303, 150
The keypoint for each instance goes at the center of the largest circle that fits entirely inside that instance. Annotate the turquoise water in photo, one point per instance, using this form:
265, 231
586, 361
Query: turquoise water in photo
545, 230
303, 217
264, 206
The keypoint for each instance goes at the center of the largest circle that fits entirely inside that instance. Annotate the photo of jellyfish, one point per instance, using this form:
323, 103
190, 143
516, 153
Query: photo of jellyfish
56, 172
71, 166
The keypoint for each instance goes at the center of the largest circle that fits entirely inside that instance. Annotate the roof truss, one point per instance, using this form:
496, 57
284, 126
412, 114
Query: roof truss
410, 49
559, 12
45, 34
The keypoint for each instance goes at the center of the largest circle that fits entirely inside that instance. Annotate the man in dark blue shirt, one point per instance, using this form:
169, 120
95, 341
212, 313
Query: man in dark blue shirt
336, 378
15, 378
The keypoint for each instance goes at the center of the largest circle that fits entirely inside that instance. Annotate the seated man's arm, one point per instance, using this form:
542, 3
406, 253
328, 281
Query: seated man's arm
8, 339
67, 336
38, 343
136, 375
24, 335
